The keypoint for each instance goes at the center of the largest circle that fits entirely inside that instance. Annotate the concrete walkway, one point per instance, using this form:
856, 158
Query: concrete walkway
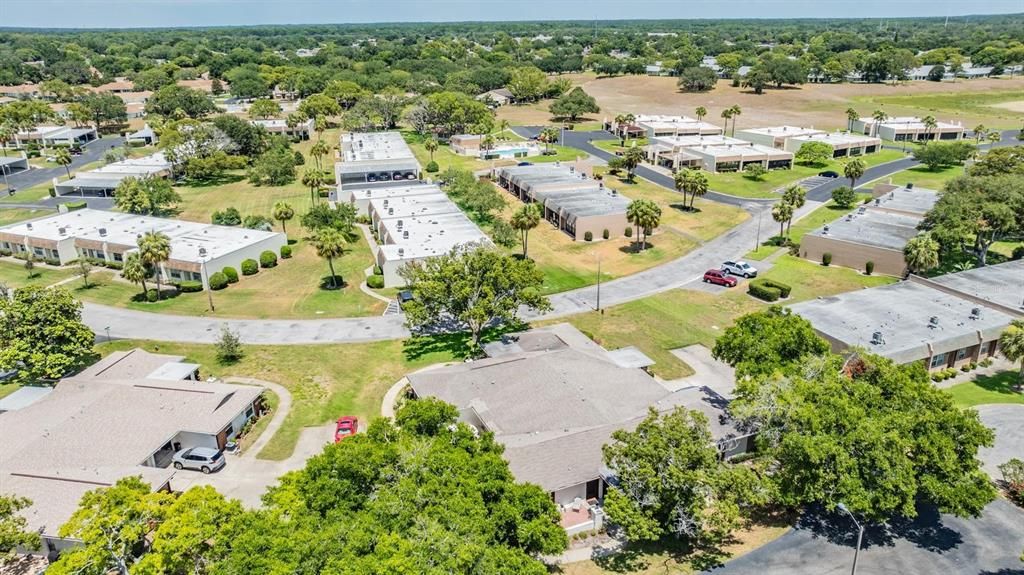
284, 406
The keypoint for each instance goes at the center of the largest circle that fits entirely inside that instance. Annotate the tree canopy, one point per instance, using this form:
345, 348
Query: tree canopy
42, 336
574, 104
760, 343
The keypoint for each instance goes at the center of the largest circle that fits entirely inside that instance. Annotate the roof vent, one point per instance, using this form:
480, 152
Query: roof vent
391, 211
399, 224
29, 225
933, 321
975, 313
385, 202
103, 232
405, 235
910, 185
825, 231
401, 252
62, 231
877, 339
878, 201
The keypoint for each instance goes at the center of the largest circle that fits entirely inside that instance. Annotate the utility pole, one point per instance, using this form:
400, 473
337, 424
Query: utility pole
760, 216
599, 282
206, 277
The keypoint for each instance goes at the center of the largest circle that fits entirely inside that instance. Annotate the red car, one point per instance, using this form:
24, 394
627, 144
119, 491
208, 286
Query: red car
347, 427
719, 277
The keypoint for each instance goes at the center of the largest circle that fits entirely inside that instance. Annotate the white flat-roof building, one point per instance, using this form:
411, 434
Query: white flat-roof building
844, 144
360, 197
109, 236
412, 239
276, 126
661, 125
908, 128
714, 153
410, 206
53, 135
96, 428
102, 181
374, 158
776, 136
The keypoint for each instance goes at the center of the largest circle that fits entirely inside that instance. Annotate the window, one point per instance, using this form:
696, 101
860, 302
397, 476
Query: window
118, 257
938, 360
38, 251
961, 353
176, 274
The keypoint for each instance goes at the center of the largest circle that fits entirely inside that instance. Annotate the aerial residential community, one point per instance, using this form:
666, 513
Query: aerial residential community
450, 291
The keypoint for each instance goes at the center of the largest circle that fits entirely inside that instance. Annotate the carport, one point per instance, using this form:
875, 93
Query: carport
94, 186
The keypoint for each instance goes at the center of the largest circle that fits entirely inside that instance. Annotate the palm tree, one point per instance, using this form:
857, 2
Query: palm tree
524, 220
63, 158
631, 159
313, 179
726, 115
795, 196
154, 249
6, 135
979, 133
134, 271
878, 116
283, 212
691, 182
1011, 343
329, 244
782, 213
431, 144
645, 215
929, 125
854, 170
547, 136
851, 117
503, 126
319, 150
994, 137
487, 144
921, 253
701, 111
734, 111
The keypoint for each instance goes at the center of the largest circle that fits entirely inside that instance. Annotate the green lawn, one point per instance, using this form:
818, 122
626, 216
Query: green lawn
325, 381
971, 108
762, 252
737, 184
678, 318
14, 215
26, 195
13, 273
614, 146
922, 177
985, 389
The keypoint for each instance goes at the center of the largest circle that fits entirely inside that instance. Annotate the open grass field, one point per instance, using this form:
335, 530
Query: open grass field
14, 274
736, 184
569, 265
922, 177
680, 318
985, 389
14, 215
326, 381
997, 106
818, 105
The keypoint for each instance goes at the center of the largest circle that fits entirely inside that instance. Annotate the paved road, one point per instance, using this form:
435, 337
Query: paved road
1008, 423
932, 544
90, 153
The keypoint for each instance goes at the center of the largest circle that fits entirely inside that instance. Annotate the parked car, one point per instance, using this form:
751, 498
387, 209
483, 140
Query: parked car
347, 427
719, 277
205, 459
524, 164
829, 174
742, 269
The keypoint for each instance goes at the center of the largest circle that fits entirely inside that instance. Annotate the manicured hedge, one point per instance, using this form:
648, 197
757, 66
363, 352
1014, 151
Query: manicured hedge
286, 252
588, 236
218, 281
231, 274
606, 234
250, 267
190, 286
826, 259
768, 290
376, 282
268, 259
432, 167
152, 295
72, 206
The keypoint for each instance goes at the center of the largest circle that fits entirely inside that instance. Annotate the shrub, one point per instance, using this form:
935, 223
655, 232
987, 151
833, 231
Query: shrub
152, 295
936, 377
794, 249
1018, 253
250, 267
762, 290
190, 286
432, 167
376, 282
377, 271
299, 159
606, 234
629, 232
965, 367
231, 274
53, 192
826, 259
588, 236
72, 206
986, 362
844, 196
218, 281
869, 267
268, 259
286, 252
1013, 478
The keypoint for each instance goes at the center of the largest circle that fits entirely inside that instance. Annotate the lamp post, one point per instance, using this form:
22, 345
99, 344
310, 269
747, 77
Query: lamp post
206, 277
760, 216
860, 536
598, 282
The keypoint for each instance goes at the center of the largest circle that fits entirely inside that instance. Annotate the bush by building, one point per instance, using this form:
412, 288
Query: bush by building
218, 281
250, 267
268, 259
231, 274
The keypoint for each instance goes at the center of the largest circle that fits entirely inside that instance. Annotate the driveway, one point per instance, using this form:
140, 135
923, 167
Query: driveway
716, 375
1008, 423
91, 152
932, 544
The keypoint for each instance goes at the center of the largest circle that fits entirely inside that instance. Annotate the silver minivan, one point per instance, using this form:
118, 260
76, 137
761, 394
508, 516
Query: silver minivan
205, 459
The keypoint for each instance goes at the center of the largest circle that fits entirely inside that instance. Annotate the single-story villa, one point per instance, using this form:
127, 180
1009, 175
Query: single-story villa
55, 135
909, 128
498, 97
776, 136
301, 130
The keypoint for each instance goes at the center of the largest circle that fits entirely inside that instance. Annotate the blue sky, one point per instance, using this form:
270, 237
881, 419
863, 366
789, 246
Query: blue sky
153, 13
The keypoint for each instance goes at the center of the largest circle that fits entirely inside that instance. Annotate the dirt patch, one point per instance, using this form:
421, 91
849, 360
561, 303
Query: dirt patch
1017, 106
819, 105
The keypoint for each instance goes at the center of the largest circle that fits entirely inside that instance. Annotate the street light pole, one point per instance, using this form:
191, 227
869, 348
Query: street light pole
598, 282
760, 216
209, 288
860, 536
